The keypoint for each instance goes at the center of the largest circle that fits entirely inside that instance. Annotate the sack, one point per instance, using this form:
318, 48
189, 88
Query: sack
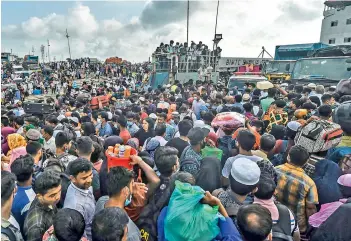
282, 229
212, 152
187, 218
83, 98
319, 135
147, 222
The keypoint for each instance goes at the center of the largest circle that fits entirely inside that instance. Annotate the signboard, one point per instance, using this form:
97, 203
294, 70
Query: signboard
233, 62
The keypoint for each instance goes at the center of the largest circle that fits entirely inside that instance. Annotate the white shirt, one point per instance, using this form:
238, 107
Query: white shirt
50, 145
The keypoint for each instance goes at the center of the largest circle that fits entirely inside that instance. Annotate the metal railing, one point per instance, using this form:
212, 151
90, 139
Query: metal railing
182, 63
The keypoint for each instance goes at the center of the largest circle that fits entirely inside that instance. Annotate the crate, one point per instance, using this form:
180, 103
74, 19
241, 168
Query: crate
113, 161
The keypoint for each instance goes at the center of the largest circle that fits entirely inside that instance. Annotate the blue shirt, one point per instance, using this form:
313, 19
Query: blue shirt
228, 231
24, 196
105, 130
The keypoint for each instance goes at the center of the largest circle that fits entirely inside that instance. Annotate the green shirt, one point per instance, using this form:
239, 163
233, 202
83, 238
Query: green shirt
265, 103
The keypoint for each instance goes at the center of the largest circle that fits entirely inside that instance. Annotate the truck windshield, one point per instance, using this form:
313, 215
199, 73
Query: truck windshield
280, 66
329, 68
241, 82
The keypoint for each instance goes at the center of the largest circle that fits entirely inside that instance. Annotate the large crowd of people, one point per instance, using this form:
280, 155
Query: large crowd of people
202, 164
188, 56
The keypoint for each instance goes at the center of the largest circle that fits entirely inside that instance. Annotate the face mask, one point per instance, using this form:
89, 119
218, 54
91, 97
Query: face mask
128, 200
99, 120
116, 126
129, 123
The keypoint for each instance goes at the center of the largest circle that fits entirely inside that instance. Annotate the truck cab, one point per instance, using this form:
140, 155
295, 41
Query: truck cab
239, 81
325, 71
279, 70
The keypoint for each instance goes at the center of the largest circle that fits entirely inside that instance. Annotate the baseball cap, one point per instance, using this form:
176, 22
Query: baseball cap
246, 97
245, 171
197, 134
33, 134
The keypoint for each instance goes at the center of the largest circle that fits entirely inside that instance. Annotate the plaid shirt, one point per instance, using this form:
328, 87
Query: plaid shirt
294, 189
39, 219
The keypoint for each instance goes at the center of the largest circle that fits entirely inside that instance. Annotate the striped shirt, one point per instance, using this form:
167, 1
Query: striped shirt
294, 189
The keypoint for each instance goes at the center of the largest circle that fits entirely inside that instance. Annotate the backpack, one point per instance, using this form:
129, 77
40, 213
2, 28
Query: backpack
226, 148
319, 135
282, 229
147, 222
9, 233
280, 157
68, 130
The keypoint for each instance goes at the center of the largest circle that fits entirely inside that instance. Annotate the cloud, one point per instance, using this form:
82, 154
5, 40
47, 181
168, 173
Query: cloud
246, 27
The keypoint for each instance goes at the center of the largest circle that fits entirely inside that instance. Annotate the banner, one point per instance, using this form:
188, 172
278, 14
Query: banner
233, 62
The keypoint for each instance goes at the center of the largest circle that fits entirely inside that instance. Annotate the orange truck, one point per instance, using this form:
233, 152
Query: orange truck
113, 60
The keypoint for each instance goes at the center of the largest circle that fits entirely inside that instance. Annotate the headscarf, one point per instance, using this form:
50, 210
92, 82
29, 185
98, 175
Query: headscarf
151, 147
325, 176
134, 143
5, 131
209, 175
16, 140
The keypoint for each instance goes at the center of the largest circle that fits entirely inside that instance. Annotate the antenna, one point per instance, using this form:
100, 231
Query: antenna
49, 50
33, 50
69, 48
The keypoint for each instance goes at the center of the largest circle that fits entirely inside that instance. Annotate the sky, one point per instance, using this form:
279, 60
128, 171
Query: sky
133, 29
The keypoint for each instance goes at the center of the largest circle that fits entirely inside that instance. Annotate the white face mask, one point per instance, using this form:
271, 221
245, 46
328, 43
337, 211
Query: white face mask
99, 120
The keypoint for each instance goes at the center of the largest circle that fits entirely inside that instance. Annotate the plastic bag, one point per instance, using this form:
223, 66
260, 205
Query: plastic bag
212, 152
187, 218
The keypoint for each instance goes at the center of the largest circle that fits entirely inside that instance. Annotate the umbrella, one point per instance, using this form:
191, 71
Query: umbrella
228, 120
264, 85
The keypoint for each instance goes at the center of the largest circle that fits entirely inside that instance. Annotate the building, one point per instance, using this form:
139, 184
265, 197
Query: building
336, 25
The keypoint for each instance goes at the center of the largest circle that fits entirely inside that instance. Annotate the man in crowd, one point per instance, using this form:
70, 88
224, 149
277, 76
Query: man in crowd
22, 167
10, 229
43, 208
295, 188
49, 144
80, 193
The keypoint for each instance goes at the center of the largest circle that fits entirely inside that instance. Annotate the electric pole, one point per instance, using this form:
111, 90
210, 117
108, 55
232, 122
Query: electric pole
49, 50
69, 48
187, 24
42, 50
33, 50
